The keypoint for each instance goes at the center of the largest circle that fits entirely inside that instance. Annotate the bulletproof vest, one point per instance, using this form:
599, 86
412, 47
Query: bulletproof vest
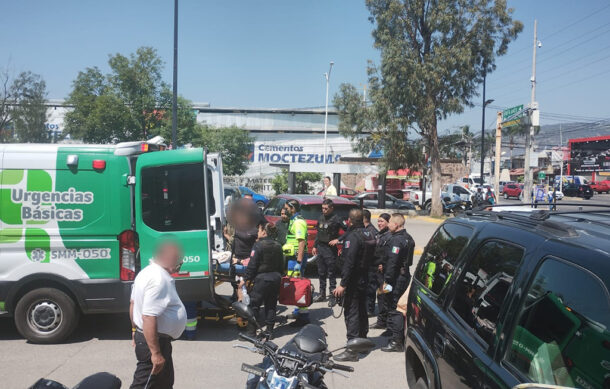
367, 247
403, 241
328, 228
271, 257
382, 242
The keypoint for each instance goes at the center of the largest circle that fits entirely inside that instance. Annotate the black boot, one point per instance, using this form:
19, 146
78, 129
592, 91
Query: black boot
378, 326
393, 346
268, 333
251, 329
347, 356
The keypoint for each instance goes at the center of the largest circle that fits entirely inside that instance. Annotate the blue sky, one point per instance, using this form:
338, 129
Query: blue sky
273, 53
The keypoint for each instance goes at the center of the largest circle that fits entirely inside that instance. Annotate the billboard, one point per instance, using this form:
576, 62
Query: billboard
589, 155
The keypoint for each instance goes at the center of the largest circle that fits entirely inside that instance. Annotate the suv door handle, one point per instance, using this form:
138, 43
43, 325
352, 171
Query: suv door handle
439, 344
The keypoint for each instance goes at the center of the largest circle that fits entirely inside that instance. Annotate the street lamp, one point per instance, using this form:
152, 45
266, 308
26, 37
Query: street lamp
175, 80
485, 104
327, 77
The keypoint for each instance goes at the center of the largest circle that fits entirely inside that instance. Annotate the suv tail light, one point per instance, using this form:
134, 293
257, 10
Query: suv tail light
128, 248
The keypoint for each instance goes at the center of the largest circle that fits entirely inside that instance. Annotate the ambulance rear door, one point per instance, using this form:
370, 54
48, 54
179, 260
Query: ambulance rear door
171, 202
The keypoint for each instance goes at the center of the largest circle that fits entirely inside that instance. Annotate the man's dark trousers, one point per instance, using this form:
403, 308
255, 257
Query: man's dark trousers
327, 260
375, 281
354, 305
396, 320
266, 290
142, 376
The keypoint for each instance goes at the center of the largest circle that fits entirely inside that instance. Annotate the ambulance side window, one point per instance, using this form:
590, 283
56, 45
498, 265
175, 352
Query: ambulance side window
173, 197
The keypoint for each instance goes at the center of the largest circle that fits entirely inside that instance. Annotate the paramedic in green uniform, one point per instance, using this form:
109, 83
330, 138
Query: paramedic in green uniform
295, 251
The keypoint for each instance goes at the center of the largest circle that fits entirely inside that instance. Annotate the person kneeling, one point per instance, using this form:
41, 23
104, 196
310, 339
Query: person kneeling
264, 274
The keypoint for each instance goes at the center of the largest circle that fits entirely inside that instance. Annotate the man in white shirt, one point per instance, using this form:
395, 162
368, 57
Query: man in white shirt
330, 189
158, 317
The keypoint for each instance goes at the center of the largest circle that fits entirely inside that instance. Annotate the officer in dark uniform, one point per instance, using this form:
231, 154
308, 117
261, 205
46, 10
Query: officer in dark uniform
354, 281
264, 271
375, 270
399, 254
325, 247
383, 237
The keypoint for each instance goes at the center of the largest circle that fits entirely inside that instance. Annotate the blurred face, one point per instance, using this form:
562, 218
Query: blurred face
289, 211
169, 257
381, 223
326, 209
284, 215
248, 197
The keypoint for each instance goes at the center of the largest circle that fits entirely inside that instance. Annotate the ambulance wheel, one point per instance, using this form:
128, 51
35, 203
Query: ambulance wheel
46, 315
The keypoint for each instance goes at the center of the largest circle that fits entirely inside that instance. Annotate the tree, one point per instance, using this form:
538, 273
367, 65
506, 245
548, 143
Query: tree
302, 181
23, 109
130, 103
234, 143
434, 54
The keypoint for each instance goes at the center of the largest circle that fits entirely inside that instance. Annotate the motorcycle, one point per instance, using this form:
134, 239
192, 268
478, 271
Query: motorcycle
95, 381
301, 363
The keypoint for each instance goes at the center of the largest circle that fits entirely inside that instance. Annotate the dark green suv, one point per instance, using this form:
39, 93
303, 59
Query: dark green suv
503, 298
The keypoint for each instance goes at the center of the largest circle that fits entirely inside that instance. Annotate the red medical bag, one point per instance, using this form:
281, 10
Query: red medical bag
296, 291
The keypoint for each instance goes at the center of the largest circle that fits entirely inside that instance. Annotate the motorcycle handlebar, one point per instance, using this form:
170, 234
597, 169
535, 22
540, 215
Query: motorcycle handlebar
337, 366
249, 339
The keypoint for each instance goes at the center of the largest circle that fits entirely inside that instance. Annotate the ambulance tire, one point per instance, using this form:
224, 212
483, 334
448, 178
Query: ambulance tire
46, 315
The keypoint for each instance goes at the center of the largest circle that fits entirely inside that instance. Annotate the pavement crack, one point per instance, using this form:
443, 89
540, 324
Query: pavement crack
67, 359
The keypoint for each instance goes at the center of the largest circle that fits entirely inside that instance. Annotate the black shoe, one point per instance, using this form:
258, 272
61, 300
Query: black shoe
299, 322
319, 298
378, 326
393, 346
347, 356
386, 333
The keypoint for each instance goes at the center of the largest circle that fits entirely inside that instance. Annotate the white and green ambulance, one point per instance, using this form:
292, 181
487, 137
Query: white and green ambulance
77, 223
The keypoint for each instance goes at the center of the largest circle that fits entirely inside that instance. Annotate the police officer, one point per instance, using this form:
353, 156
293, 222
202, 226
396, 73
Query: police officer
295, 250
383, 237
264, 271
399, 256
354, 281
325, 247
375, 268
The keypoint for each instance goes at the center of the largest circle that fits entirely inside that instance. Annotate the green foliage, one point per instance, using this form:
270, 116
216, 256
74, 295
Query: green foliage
234, 143
29, 114
303, 180
130, 103
434, 54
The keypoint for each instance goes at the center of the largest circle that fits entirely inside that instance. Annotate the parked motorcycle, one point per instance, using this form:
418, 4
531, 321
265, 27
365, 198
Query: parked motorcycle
94, 381
301, 363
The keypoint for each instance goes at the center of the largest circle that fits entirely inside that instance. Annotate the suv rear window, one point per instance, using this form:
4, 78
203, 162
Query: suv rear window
562, 336
438, 261
480, 294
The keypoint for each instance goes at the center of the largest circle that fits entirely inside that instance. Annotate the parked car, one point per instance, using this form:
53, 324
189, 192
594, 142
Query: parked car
232, 193
346, 193
504, 298
578, 190
600, 186
311, 209
512, 190
464, 193
370, 200
258, 198
501, 185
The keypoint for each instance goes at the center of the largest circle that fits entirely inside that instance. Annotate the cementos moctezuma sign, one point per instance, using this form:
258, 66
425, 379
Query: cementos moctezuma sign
271, 153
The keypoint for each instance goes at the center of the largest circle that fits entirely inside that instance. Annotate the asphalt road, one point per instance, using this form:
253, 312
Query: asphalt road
577, 203
102, 343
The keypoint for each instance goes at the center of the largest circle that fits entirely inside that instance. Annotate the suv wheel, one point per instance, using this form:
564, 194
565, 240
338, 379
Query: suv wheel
46, 315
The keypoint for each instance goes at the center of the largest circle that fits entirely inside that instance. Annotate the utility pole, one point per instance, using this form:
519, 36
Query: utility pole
327, 76
561, 166
498, 154
534, 114
175, 81
483, 131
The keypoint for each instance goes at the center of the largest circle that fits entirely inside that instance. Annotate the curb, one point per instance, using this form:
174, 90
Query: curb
418, 251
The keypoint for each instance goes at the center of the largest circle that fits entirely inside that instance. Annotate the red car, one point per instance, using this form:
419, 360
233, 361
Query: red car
512, 190
600, 186
311, 209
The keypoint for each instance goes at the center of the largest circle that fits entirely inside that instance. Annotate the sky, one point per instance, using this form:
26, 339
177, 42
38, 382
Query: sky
273, 54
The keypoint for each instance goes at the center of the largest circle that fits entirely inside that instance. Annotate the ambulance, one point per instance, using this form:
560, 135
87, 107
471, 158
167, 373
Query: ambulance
78, 222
